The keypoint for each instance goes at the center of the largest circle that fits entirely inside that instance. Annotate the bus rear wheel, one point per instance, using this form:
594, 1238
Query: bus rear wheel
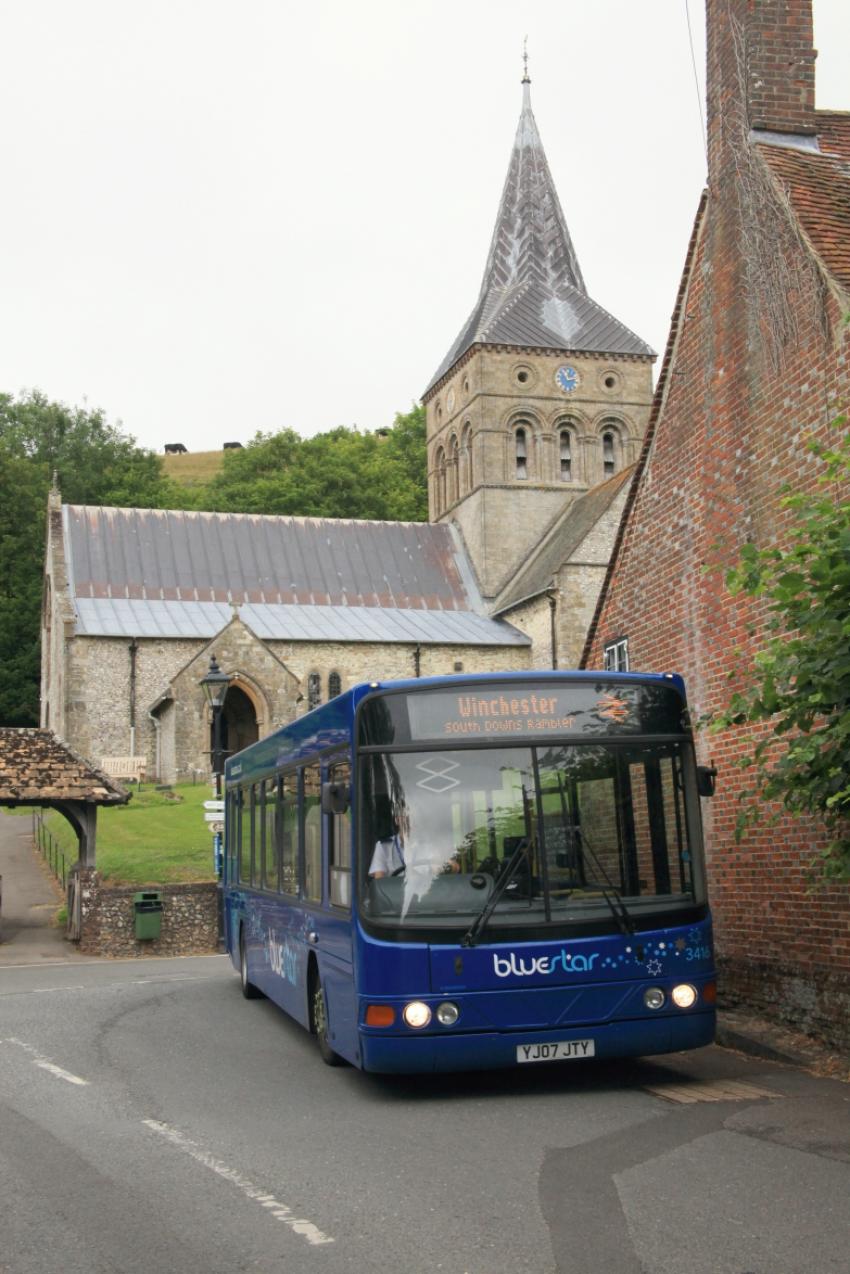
248, 989
319, 1023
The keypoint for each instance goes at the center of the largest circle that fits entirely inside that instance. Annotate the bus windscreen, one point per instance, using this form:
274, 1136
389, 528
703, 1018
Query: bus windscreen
578, 823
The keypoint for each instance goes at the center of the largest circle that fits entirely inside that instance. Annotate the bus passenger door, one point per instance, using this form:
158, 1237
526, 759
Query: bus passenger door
335, 939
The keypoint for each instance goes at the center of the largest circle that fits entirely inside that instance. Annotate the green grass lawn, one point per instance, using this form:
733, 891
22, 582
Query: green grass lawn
159, 838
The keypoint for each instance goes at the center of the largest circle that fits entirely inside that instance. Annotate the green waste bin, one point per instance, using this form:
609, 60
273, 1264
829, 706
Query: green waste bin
148, 911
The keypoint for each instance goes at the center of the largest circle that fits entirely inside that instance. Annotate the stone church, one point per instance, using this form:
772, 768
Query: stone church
535, 418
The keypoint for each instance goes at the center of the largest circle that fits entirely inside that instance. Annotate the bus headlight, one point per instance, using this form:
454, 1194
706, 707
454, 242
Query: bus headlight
416, 1014
684, 996
653, 997
447, 1014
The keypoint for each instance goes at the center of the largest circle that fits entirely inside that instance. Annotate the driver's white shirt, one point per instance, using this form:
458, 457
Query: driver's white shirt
388, 856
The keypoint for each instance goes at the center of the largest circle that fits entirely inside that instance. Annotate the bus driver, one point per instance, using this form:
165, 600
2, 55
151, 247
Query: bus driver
391, 857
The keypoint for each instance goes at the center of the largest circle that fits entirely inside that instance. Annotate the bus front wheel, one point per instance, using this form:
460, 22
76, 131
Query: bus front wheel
319, 1023
248, 989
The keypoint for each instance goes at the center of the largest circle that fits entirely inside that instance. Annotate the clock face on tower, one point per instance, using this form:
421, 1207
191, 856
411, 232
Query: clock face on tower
567, 379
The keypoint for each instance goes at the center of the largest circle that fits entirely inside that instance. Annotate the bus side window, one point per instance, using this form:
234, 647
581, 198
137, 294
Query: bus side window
232, 833
312, 825
246, 837
271, 870
289, 832
339, 843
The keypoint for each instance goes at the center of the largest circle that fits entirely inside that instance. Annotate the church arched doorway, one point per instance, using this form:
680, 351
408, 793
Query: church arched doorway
239, 725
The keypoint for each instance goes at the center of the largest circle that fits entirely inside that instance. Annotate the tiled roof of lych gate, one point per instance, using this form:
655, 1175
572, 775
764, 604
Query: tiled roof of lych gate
818, 185
35, 767
169, 573
532, 293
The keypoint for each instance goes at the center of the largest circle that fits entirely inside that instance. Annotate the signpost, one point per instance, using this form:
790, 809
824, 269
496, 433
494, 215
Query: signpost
214, 816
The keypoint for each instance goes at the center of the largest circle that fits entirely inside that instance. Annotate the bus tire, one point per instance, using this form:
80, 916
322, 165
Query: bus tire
248, 989
319, 1023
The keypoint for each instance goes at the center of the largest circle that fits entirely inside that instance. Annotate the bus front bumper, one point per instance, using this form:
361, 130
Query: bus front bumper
410, 1053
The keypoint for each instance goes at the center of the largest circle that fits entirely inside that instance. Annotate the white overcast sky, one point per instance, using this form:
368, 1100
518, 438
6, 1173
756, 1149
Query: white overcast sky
223, 217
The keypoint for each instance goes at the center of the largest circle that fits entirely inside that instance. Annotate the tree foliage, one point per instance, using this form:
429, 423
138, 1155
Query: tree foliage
799, 687
340, 474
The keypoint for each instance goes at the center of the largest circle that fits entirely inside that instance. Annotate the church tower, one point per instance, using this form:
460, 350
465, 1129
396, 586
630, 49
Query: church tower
543, 395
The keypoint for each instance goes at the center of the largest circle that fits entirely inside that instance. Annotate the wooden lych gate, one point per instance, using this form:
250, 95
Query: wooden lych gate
37, 769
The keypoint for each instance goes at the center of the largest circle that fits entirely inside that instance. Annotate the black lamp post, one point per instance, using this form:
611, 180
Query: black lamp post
214, 686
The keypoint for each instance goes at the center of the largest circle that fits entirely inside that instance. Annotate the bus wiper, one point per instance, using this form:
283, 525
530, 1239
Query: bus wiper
618, 908
475, 930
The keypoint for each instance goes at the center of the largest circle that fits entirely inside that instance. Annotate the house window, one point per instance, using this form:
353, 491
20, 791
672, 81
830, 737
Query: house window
314, 690
566, 455
521, 454
615, 656
334, 685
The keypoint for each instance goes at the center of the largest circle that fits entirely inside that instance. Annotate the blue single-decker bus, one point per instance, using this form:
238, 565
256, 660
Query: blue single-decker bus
477, 871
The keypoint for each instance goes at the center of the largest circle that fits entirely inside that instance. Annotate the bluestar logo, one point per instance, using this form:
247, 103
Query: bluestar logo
282, 959
519, 967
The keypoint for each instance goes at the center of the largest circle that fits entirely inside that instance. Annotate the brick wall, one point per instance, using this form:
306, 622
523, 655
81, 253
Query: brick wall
757, 365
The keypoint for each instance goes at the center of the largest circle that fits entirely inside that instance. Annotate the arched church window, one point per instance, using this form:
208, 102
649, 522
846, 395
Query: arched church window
334, 685
454, 472
565, 452
521, 444
466, 452
440, 480
609, 459
314, 690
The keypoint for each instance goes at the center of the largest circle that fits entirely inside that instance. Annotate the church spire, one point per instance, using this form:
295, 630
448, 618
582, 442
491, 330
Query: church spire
531, 242
532, 293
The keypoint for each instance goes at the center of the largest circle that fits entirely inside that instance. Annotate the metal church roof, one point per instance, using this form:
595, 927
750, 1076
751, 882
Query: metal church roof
533, 293
171, 573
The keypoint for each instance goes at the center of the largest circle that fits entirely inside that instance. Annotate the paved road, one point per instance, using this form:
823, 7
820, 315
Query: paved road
152, 1120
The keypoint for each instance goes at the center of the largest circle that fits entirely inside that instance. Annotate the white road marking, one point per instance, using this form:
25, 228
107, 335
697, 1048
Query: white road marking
277, 1209
111, 986
173, 977
42, 990
59, 1072
44, 1063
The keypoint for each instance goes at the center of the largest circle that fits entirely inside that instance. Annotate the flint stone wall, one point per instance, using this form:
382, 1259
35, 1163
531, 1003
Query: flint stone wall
108, 920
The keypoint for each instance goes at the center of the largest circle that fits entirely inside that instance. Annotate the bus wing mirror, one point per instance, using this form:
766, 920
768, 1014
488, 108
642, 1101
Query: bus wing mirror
336, 798
706, 779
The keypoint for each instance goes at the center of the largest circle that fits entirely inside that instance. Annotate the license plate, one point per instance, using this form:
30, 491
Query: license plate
557, 1051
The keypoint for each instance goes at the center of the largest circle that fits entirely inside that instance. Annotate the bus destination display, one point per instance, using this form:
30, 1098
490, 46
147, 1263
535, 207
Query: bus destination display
531, 711
487, 715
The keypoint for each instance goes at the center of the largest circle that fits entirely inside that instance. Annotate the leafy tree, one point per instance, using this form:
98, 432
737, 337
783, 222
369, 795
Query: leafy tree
798, 691
22, 507
339, 474
95, 463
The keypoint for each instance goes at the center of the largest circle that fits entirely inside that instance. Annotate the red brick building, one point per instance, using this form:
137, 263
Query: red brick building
756, 363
